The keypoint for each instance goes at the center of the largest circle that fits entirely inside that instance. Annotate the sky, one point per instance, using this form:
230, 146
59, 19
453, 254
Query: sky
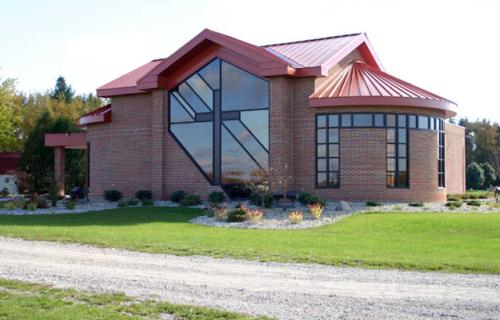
450, 48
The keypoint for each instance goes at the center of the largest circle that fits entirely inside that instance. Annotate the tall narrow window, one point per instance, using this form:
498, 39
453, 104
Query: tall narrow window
327, 151
397, 151
441, 176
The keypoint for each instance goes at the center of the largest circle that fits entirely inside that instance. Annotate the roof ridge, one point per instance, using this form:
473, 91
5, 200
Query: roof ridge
315, 39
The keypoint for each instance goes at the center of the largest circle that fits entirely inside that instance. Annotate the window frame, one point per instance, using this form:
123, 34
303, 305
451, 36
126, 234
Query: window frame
327, 156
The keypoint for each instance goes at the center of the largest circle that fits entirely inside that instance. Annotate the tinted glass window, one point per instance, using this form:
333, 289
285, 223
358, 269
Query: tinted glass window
379, 120
248, 141
402, 121
346, 120
333, 120
242, 90
412, 121
201, 88
211, 74
362, 120
423, 122
177, 112
258, 123
333, 135
321, 121
192, 99
391, 120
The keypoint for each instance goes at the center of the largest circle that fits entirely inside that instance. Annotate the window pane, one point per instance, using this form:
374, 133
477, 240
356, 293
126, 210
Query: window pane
192, 99
402, 135
250, 144
177, 111
391, 164
236, 166
201, 88
321, 121
403, 179
379, 120
321, 164
402, 121
432, 123
423, 122
391, 135
321, 150
196, 138
391, 150
184, 103
333, 179
391, 179
211, 74
333, 135
333, 120
391, 120
321, 135
362, 120
333, 164
242, 90
334, 150
258, 123
402, 164
322, 180
412, 121
346, 120
402, 150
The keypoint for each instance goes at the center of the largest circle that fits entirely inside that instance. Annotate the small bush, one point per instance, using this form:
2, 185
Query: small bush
144, 195
316, 210
474, 203
132, 202
31, 206
373, 204
317, 200
262, 199
296, 217
121, 204
454, 197
191, 200
220, 214
42, 203
255, 215
416, 204
70, 205
304, 198
11, 205
216, 197
147, 203
112, 195
177, 196
453, 204
237, 215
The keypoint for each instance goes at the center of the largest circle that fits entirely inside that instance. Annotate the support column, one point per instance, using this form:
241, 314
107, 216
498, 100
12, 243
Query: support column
158, 123
59, 169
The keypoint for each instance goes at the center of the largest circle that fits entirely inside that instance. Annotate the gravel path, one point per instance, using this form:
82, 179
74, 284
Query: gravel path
287, 291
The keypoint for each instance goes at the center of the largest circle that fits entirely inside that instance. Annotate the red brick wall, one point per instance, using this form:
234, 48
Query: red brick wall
454, 158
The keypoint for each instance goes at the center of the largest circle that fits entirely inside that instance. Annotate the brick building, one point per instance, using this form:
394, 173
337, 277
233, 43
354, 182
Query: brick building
318, 115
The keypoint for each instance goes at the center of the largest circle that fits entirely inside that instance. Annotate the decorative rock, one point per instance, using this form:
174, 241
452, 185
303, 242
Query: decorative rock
343, 206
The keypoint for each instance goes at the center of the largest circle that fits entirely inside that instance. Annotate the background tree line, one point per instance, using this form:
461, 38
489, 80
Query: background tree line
25, 118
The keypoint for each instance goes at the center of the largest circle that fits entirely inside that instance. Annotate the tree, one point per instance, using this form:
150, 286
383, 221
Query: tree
475, 176
489, 175
9, 119
38, 160
62, 91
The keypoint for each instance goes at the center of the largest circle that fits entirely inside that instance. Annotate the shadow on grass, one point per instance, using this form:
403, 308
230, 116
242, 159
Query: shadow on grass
113, 217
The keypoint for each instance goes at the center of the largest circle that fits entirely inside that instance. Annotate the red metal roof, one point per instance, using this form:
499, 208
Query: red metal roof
361, 84
100, 115
302, 58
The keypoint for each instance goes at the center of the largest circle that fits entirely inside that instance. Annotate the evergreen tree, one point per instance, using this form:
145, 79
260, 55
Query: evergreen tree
62, 91
489, 175
475, 176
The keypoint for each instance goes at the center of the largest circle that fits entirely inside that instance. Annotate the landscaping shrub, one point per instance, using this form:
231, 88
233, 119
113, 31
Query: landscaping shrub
53, 194
262, 199
42, 203
31, 206
216, 197
112, 195
132, 202
304, 198
296, 217
316, 210
453, 204
237, 215
453, 197
11, 205
373, 204
70, 205
255, 215
416, 204
144, 195
121, 204
191, 200
317, 200
220, 214
474, 203
177, 196
147, 202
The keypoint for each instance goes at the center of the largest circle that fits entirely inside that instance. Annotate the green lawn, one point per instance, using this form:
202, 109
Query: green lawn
26, 301
424, 241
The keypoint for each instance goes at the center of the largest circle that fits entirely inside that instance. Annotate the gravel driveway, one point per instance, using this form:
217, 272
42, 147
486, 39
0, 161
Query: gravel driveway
287, 291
